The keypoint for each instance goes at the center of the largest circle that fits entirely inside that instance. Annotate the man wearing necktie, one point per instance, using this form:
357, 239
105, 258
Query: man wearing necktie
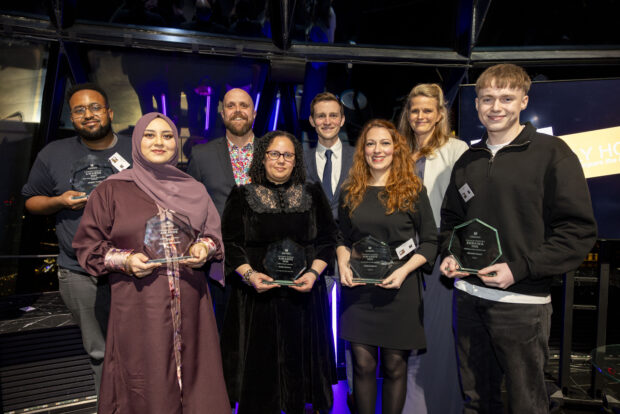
329, 162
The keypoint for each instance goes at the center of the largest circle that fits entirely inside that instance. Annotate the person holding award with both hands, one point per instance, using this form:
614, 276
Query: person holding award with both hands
152, 228
279, 235
384, 210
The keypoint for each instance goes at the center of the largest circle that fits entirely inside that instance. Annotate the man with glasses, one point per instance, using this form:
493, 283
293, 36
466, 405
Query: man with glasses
63, 174
223, 163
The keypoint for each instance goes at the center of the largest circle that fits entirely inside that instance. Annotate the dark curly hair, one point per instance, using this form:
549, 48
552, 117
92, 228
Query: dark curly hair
257, 168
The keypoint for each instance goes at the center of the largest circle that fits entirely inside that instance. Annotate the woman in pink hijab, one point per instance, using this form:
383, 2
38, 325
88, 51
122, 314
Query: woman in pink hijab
162, 348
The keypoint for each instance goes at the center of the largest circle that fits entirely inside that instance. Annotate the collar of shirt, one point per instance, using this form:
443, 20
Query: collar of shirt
247, 147
336, 149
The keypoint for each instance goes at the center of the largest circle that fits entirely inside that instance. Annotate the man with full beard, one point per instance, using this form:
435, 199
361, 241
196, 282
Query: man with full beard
62, 176
224, 162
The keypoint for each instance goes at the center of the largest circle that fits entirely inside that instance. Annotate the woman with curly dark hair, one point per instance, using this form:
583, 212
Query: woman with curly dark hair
276, 343
384, 199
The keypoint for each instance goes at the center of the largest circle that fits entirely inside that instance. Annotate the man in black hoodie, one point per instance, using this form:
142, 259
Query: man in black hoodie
531, 188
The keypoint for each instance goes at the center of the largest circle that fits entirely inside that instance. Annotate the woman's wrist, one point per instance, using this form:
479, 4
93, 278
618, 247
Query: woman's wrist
117, 260
247, 275
209, 245
314, 272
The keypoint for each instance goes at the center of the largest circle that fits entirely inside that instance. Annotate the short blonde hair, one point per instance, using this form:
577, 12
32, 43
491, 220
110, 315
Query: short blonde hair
504, 75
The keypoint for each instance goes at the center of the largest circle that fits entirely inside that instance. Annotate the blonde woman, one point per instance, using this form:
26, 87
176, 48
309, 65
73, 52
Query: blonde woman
424, 122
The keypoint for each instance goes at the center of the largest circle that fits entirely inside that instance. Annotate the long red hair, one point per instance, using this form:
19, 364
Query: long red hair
403, 185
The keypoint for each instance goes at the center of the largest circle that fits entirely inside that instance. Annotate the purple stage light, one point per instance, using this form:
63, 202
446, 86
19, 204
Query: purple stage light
275, 119
163, 104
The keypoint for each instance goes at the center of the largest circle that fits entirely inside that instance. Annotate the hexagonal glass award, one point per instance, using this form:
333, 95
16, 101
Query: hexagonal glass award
168, 239
475, 245
88, 172
371, 260
285, 261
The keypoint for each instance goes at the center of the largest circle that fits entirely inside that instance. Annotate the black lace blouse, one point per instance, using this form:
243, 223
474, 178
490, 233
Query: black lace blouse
257, 215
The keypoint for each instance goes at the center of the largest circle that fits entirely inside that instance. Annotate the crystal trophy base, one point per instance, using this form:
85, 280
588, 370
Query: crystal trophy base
367, 281
282, 283
170, 259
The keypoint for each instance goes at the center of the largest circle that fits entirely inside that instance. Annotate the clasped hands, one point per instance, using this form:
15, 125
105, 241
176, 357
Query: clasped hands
261, 282
393, 281
137, 265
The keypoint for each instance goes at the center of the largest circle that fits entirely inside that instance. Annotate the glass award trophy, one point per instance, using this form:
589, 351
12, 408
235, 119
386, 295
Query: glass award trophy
285, 261
371, 260
87, 173
475, 245
168, 239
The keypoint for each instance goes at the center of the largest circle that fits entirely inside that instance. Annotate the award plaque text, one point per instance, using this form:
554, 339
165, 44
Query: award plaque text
371, 260
474, 245
168, 239
285, 261
88, 172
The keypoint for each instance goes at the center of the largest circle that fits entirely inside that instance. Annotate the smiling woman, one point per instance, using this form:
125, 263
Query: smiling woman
158, 144
279, 160
424, 121
284, 358
162, 354
384, 199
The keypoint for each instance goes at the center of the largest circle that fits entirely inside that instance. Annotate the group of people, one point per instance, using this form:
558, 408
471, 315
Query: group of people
405, 186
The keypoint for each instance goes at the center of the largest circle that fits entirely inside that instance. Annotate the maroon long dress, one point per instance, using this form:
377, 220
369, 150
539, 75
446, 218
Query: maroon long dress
140, 368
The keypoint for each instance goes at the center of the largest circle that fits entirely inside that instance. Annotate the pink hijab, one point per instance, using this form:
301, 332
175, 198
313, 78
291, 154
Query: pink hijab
168, 186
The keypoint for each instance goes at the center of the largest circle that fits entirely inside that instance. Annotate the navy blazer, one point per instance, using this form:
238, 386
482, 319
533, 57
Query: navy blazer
210, 164
313, 176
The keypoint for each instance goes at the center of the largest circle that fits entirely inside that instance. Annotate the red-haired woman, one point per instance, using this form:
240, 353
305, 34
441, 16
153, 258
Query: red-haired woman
383, 198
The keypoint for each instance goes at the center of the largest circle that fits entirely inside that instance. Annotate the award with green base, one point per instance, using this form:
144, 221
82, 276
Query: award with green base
475, 245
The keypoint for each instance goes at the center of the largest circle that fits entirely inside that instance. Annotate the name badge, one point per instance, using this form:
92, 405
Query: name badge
466, 192
405, 248
118, 162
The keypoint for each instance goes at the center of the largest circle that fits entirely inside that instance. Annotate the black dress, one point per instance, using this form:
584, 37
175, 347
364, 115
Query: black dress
276, 345
372, 315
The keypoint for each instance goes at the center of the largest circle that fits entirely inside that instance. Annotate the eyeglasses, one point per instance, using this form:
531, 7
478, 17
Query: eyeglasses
275, 155
94, 108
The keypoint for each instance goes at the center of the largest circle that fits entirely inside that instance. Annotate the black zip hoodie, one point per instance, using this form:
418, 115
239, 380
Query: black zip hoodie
534, 193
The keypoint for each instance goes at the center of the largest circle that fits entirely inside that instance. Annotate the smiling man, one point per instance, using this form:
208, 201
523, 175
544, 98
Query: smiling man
329, 163
61, 177
531, 188
225, 162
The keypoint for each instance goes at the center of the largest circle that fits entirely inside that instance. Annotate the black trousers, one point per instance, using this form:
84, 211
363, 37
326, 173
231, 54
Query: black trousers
496, 339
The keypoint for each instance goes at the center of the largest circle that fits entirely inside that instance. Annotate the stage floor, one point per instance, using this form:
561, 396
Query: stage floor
44, 315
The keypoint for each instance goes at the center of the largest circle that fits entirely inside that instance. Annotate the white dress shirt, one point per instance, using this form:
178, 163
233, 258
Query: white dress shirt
336, 162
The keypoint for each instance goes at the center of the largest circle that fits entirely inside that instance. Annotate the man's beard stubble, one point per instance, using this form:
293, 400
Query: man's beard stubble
238, 130
94, 135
